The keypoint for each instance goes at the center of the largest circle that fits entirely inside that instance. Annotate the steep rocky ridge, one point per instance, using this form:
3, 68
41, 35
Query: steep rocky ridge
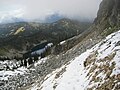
108, 14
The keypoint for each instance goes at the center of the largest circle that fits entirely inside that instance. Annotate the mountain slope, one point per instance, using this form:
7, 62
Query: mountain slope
77, 67
36, 33
98, 67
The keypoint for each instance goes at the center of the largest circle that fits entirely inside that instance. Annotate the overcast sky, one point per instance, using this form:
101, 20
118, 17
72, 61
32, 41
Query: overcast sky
40, 9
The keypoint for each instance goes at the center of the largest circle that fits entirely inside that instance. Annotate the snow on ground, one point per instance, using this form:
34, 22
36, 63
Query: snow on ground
62, 42
4, 75
42, 60
73, 77
89, 70
40, 51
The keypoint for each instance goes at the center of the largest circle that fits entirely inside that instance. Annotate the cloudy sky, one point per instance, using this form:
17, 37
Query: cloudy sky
40, 9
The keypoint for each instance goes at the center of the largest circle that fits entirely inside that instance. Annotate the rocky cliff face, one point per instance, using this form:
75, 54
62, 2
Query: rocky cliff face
108, 14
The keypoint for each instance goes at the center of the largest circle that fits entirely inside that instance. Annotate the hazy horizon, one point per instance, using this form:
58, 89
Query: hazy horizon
41, 9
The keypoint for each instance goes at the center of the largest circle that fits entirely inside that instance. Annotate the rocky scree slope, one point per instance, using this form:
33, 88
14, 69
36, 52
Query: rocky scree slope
96, 69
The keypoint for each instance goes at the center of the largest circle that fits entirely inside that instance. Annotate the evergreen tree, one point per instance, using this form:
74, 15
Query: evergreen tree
30, 61
21, 62
35, 57
25, 62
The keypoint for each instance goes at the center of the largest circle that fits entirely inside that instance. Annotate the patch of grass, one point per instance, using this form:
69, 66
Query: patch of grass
2, 51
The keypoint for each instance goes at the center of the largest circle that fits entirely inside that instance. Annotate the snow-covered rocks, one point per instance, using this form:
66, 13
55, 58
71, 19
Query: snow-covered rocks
12, 80
97, 68
62, 42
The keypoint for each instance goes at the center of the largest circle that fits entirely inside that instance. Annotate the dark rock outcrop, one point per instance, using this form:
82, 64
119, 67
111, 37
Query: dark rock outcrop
108, 14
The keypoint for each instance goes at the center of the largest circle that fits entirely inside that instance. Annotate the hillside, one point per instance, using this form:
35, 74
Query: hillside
18, 38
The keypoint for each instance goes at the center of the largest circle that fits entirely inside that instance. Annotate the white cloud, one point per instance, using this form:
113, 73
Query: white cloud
9, 16
14, 13
34, 9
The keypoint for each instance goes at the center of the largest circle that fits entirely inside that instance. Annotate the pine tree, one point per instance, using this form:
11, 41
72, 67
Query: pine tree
25, 62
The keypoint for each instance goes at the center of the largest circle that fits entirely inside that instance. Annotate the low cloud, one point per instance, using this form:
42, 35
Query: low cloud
40, 9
